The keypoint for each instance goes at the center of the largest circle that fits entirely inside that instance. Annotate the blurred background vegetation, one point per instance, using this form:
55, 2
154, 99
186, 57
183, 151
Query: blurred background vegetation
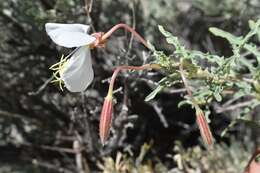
43, 129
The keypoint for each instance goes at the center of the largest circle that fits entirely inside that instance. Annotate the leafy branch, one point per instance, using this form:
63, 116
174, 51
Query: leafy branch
221, 78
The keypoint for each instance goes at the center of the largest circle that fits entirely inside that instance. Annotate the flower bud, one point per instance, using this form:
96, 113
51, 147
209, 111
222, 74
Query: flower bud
253, 165
204, 128
106, 119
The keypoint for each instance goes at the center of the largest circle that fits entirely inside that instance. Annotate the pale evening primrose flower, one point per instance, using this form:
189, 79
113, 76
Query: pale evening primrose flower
76, 72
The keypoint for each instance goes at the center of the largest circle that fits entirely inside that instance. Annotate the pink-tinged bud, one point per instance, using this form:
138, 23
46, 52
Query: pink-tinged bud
253, 165
106, 119
204, 128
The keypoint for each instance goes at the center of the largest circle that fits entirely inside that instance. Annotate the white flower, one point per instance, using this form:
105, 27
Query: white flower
76, 72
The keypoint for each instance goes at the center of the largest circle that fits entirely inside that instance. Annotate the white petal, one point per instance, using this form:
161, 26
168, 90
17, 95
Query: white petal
69, 27
78, 73
71, 39
69, 35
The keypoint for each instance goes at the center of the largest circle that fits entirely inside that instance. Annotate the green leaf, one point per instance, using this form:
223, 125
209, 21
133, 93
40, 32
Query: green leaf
247, 64
207, 113
254, 30
184, 102
180, 49
154, 93
217, 96
232, 124
230, 37
217, 93
253, 25
151, 46
164, 32
253, 49
210, 58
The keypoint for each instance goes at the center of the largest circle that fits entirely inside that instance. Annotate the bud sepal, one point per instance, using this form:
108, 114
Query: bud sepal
204, 128
106, 118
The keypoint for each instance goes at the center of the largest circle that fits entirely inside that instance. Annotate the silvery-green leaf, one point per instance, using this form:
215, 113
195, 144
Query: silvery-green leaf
253, 25
154, 93
217, 96
253, 49
78, 72
230, 37
69, 35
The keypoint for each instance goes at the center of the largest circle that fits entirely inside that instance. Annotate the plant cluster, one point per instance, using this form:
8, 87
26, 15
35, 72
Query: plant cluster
212, 77
43, 127
204, 84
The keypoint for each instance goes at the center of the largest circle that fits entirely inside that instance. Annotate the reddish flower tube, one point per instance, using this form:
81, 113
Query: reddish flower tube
204, 128
106, 119
200, 118
107, 109
253, 165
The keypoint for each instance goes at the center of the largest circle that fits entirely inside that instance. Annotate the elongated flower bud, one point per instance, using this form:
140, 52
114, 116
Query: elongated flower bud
106, 119
107, 110
253, 165
204, 128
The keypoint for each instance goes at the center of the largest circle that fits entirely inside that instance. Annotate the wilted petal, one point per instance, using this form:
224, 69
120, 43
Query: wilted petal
78, 72
69, 35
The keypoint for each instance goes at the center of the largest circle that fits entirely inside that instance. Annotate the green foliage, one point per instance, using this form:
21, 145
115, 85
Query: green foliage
211, 82
124, 163
223, 159
39, 123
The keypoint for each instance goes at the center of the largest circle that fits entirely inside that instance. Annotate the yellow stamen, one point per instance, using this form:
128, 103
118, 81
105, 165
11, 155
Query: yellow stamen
62, 60
59, 69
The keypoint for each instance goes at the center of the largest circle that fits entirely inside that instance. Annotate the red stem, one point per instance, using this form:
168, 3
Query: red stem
125, 67
122, 25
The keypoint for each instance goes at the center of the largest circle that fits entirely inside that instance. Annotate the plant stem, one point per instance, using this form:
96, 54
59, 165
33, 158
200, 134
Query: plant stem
185, 81
125, 67
122, 25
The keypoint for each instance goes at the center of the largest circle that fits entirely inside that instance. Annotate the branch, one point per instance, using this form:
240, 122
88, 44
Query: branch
233, 107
